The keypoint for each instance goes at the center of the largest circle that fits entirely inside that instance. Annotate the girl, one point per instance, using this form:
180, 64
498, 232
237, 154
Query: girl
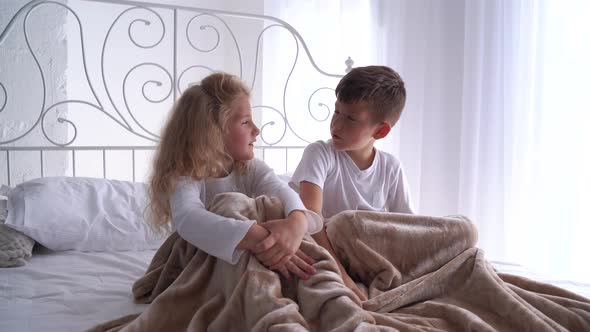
207, 148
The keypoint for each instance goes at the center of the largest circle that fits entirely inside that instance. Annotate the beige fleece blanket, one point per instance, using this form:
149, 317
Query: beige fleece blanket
420, 273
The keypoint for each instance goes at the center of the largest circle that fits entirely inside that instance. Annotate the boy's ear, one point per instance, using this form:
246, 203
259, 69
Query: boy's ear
382, 131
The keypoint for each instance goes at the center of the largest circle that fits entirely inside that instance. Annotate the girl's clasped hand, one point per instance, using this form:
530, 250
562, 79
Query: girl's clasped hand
280, 249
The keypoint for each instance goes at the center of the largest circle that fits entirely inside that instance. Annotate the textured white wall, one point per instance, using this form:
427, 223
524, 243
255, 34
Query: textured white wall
20, 77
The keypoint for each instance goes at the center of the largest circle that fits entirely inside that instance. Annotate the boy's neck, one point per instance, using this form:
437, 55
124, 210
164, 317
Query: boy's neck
363, 157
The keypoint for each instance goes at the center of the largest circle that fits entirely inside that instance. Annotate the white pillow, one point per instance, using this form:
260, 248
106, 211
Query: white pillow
84, 214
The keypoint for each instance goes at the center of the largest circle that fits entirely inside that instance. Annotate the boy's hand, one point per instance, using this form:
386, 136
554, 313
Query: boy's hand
284, 239
352, 285
255, 235
300, 265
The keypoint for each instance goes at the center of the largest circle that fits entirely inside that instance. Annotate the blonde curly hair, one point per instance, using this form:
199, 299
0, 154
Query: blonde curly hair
191, 143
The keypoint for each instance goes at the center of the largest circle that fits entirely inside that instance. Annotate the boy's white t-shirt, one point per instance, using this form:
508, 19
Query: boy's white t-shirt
381, 187
217, 235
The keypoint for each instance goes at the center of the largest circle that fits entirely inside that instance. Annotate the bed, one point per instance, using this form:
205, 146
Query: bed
70, 290
39, 295
59, 129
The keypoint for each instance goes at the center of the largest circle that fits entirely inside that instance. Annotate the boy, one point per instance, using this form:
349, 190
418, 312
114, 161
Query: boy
347, 172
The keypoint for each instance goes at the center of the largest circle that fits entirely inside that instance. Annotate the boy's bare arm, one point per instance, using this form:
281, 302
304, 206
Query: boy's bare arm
312, 198
255, 235
311, 195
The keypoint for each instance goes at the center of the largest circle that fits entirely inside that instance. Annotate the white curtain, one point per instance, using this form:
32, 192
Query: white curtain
496, 120
291, 84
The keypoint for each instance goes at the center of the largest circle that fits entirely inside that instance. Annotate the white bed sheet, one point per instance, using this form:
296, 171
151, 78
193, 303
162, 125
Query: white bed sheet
73, 291
70, 290
520, 270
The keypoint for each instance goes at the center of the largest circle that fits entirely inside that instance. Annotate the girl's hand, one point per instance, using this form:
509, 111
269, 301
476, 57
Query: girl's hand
300, 265
284, 239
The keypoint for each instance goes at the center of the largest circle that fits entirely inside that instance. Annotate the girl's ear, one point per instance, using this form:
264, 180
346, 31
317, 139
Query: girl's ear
382, 131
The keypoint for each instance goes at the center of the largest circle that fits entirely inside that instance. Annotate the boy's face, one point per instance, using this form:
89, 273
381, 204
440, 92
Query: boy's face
352, 126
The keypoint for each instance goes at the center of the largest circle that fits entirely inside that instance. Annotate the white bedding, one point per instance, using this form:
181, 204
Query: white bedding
73, 291
576, 287
69, 290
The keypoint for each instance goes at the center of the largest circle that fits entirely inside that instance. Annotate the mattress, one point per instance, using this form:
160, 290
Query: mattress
69, 290
73, 291
579, 288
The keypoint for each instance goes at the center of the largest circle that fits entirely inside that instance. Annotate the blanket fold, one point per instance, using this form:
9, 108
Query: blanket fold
421, 274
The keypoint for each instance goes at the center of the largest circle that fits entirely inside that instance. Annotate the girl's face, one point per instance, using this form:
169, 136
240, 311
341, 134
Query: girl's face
240, 132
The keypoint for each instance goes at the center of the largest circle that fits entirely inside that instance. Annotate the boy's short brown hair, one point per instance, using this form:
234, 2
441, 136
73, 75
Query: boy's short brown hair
380, 87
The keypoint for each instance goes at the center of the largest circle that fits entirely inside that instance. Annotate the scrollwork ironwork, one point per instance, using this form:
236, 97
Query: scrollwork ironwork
4, 97
127, 119
154, 101
264, 126
320, 104
218, 38
202, 27
130, 35
187, 69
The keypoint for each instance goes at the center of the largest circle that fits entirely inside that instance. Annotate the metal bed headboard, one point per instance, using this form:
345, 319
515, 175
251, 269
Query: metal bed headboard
39, 135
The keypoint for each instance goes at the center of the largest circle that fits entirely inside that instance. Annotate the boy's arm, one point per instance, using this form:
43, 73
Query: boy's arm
399, 196
266, 182
312, 198
311, 195
255, 235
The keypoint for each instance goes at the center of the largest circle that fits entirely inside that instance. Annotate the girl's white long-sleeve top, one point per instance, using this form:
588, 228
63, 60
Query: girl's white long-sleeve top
217, 235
